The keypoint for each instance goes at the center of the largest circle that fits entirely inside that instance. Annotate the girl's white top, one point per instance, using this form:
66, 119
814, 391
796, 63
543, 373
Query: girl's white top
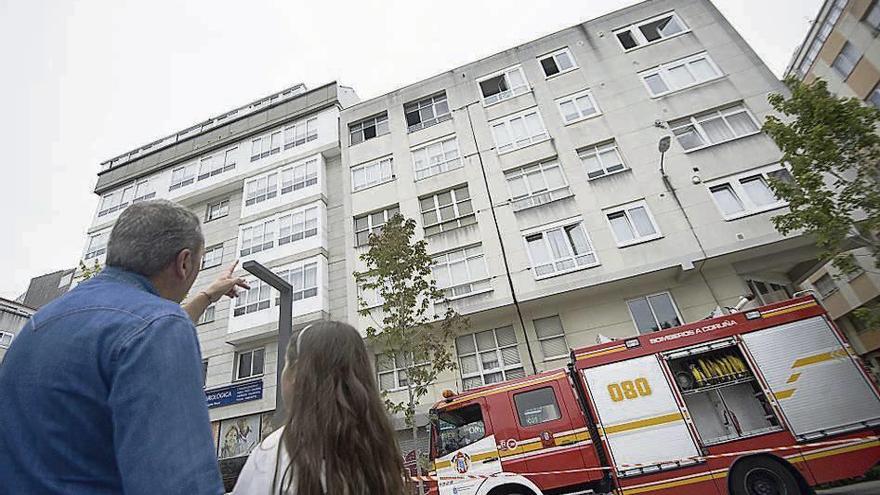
266, 464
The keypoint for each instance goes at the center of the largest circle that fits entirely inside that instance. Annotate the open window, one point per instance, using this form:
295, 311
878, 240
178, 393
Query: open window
453, 430
721, 392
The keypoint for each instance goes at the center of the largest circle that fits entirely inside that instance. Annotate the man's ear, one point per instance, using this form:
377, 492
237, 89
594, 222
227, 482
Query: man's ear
183, 263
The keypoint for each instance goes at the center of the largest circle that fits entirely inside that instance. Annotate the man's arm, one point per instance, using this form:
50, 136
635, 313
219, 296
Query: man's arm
161, 430
226, 284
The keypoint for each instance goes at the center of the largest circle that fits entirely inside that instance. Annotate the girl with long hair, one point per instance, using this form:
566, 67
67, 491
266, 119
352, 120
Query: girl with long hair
337, 438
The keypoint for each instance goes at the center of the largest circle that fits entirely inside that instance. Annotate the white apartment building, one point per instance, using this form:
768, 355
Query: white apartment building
534, 175
262, 178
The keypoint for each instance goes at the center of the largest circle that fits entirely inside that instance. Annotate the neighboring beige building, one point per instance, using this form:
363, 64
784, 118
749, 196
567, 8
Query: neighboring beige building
534, 176
843, 49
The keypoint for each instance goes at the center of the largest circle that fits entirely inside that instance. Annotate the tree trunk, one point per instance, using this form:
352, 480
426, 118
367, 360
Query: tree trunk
415, 436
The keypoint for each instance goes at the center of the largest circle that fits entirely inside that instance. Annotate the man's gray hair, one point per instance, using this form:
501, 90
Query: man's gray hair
149, 234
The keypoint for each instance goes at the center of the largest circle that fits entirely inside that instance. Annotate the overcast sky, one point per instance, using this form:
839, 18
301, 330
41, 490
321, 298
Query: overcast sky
84, 81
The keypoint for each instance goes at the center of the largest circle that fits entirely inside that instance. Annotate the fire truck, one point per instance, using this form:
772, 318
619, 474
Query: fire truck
767, 401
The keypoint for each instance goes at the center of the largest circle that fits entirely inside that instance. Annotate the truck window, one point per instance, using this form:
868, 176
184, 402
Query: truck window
457, 428
537, 406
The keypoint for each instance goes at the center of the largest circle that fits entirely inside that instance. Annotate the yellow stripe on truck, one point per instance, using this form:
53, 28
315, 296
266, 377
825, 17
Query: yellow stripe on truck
643, 423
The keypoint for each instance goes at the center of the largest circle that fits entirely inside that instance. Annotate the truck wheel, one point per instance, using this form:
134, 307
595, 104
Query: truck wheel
762, 476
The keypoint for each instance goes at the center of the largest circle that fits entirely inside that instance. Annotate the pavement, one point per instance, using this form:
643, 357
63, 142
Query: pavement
866, 488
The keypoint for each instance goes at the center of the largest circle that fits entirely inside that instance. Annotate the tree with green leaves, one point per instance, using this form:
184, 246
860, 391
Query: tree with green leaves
86, 272
832, 147
410, 332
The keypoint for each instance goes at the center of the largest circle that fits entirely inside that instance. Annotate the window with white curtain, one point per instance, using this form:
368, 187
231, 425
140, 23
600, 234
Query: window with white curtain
303, 278
217, 210
488, 357
447, 210
578, 106
257, 237
213, 256
502, 85
560, 248
552, 337
264, 146
391, 370
144, 189
537, 184
299, 176
299, 133
97, 245
632, 224
217, 163
518, 130
298, 225
557, 62
680, 74
436, 158
749, 192
116, 200
601, 159
208, 315
714, 127
261, 189
461, 272
183, 176
257, 298
372, 174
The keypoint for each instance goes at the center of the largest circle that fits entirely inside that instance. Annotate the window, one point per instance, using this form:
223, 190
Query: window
846, 60
825, 286
654, 312
650, 31
144, 189
874, 97
873, 16
210, 166
427, 112
299, 176
368, 128
537, 406
116, 200
6, 339
714, 127
304, 280
461, 272
457, 428
748, 193
536, 185
577, 106
204, 372
436, 158
680, 74
557, 62
261, 189
768, 292
252, 300
300, 133
97, 245
65, 280
552, 337
503, 85
488, 357
249, 363
632, 224
447, 210
213, 256
217, 210
369, 223
258, 237
371, 174
853, 270
821, 36
560, 249
208, 315
601, 160
297, 226
183, 176
392, 370
518, 131
264, 146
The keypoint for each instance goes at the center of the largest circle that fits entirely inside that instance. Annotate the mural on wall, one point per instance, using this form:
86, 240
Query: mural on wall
266, 427
238, 436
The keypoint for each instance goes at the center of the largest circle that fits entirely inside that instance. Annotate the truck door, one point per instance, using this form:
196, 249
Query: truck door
639, 417
818, 385
463, 444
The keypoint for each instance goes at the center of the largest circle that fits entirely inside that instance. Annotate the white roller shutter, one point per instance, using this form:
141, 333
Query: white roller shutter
818, 385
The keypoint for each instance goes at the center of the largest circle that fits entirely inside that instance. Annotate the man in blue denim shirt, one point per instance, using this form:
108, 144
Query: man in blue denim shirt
102, 389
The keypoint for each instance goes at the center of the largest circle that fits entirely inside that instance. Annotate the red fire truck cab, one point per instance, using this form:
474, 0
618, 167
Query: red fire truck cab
768, 401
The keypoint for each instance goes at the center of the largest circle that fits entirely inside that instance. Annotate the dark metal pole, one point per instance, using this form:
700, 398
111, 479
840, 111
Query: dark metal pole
285, 328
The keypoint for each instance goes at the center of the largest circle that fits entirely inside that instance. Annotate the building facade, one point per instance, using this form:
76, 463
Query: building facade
842, 48
262, 178
13, 316
46, 288
534, 176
